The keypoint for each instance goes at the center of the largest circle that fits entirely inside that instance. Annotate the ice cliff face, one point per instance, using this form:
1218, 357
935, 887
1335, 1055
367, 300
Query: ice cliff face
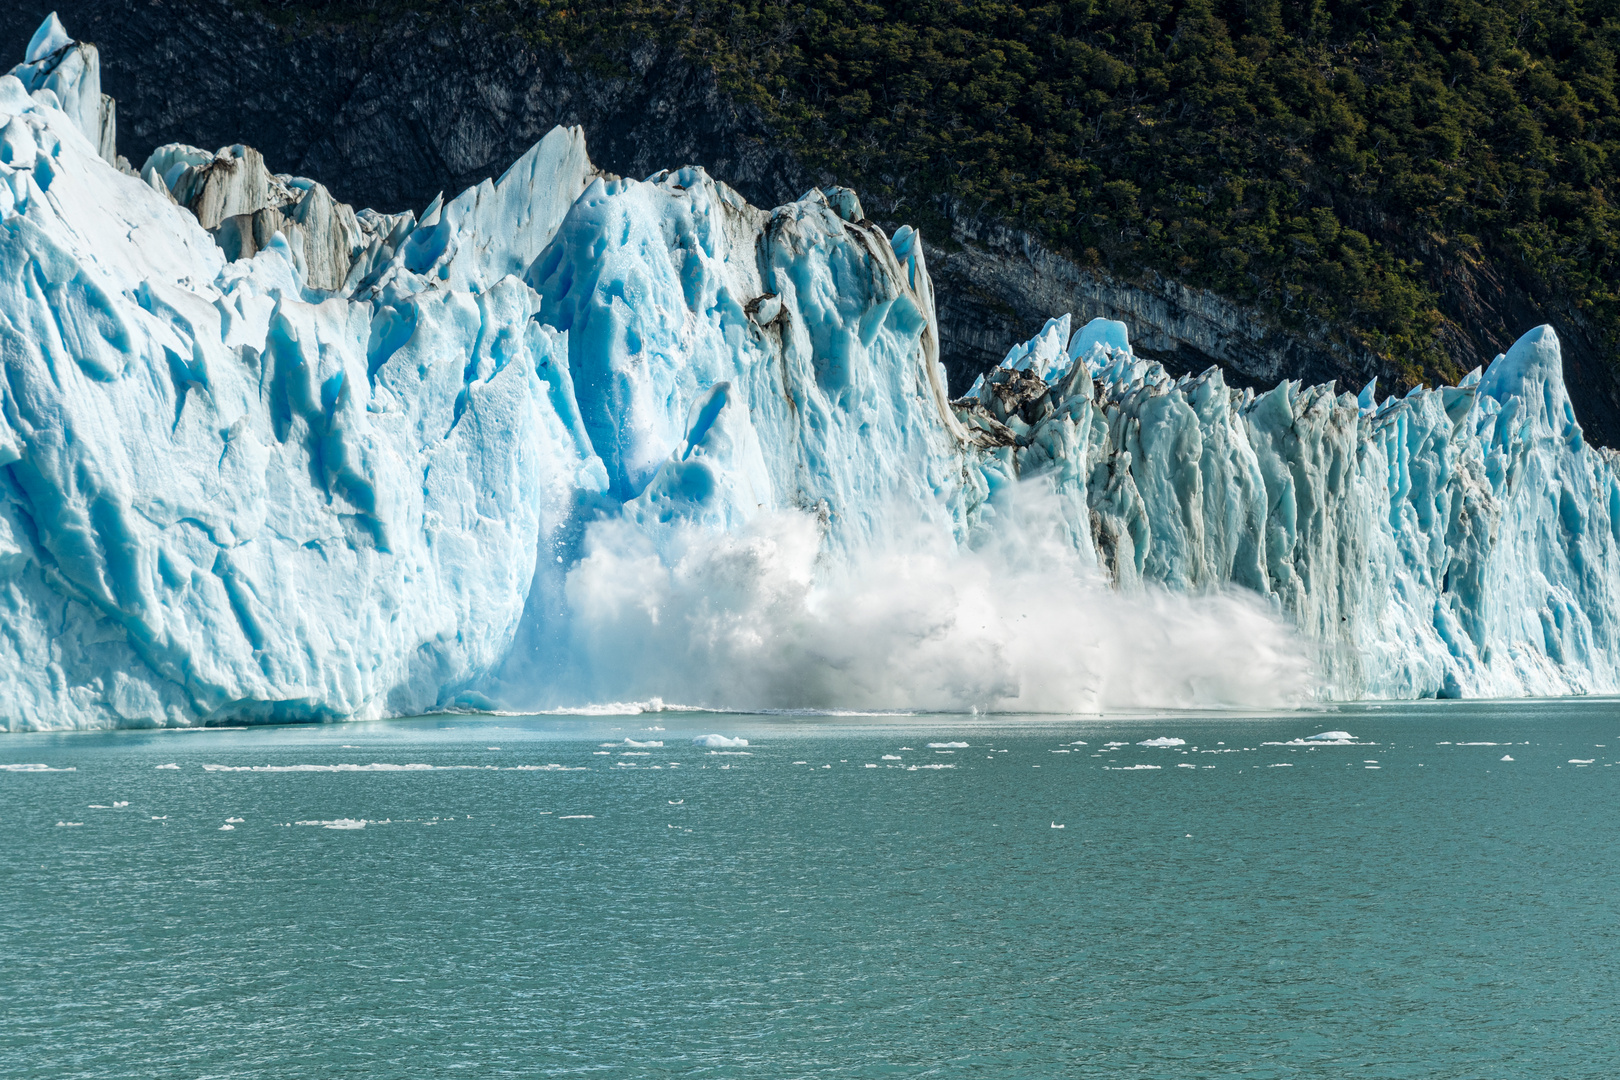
264, 457
1457, 541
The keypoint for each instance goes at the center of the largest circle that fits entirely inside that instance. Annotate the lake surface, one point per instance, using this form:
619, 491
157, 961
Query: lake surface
836, 899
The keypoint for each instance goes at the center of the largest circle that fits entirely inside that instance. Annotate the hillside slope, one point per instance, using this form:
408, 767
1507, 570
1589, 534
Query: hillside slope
1328, 191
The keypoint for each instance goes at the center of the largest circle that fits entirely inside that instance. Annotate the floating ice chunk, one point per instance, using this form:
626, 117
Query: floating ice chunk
1331, 736
1163, 741
718, 741
576, 817
170, 765
226, 828
1506, 757
650, 744
1581, 761
1128, 768
947, 745
373, 767
35, 768
1316, 740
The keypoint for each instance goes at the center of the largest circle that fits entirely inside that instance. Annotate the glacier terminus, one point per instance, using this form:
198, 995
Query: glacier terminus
570, 438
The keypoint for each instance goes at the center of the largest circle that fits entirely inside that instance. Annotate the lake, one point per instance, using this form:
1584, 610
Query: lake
844, 896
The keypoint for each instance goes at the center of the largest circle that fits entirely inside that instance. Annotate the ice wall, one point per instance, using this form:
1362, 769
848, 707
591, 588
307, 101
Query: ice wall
1455, 541
226, 495
571, 437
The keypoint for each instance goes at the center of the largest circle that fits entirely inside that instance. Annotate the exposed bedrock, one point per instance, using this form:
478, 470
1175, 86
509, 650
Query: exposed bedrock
389, 116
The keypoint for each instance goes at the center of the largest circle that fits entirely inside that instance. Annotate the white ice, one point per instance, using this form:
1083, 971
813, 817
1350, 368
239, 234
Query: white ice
570, 439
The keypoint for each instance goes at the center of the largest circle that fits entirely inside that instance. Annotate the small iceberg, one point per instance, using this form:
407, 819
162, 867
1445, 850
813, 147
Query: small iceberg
1167, 741
1323, 738
947, 746
716, 741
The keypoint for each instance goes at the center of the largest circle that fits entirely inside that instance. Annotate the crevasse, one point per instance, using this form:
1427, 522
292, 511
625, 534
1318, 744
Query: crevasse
263, 457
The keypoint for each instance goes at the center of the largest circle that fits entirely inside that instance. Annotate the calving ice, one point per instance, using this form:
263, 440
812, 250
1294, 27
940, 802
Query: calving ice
571, 438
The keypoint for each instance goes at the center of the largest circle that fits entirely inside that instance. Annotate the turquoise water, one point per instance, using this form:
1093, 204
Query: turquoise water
1273, 911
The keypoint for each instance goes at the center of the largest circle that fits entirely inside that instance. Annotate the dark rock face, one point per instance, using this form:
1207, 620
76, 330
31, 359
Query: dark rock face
388, 116
1003, 284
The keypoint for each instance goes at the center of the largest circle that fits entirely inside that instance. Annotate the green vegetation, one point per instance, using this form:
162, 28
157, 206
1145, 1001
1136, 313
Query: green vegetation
1337, 163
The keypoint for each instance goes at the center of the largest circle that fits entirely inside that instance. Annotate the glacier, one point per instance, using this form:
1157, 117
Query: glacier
569, 438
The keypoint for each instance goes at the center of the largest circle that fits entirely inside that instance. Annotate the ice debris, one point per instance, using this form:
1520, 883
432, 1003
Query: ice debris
718, 741
266, 457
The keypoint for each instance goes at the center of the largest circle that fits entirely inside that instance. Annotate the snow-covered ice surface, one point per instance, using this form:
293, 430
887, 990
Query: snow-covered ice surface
570, 439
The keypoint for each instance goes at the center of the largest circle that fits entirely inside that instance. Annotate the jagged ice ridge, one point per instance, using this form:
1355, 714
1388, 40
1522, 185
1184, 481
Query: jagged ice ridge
569, 437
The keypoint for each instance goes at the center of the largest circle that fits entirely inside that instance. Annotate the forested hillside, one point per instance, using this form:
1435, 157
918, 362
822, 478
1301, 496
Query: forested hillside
1344, 162
1334, 162
1419, 181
